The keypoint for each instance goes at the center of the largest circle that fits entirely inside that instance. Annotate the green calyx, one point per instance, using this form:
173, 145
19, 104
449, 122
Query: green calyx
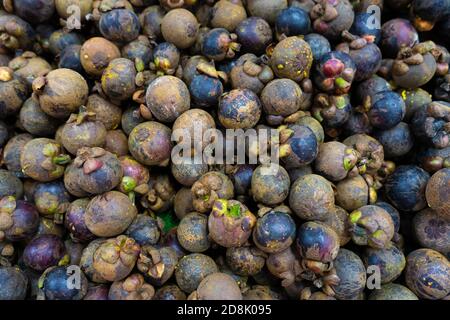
50, 150
234, 211
41, 281
64, 261
83, 115
340, 102
122, 242
378, 239
224, 207
128, 184
318, 116
355, 216
372, 195
132, 197
162, 63
347, 164
235, 46
341, 83
61, 159
57, 172
350, 159
379, 234
139, 64
362, 169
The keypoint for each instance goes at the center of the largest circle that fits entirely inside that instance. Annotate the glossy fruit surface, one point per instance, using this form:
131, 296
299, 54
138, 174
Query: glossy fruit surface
43, 252
429, 265
413, 199
119, 25
352, 274
54, 285
274, 232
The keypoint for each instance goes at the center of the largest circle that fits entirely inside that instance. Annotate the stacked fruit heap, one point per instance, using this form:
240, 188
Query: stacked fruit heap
92, 205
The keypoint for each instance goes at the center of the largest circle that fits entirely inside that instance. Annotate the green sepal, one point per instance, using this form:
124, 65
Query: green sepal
41, 282
132, 197
355, 216
139, 64
235, 211
50, 150
61, 159
64, 261
347, 164
341, 83
128, 183
340, 102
